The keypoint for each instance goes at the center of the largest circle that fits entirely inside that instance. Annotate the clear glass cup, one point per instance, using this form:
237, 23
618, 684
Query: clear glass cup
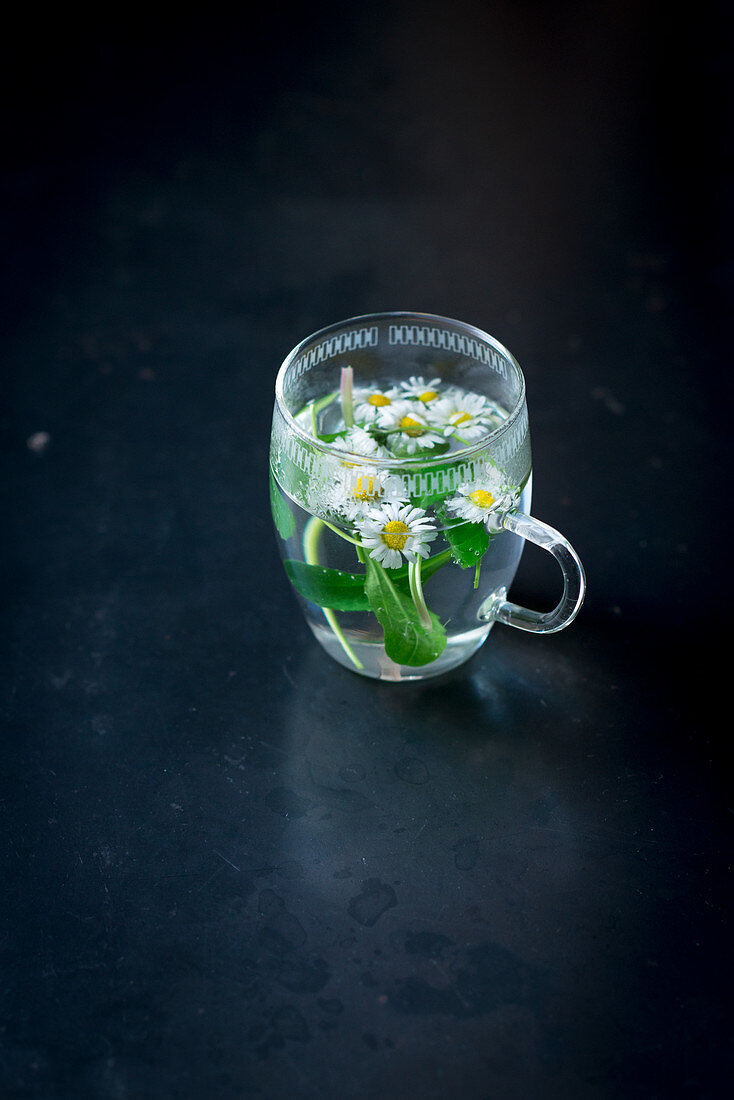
400, 485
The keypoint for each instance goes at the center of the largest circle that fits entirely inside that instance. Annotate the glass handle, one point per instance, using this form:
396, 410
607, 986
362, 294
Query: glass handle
499, 609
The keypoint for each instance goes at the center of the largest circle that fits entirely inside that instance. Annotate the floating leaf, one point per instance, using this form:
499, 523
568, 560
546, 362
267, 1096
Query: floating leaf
343, 591
468, 542
407, 642
283, 518
328, 587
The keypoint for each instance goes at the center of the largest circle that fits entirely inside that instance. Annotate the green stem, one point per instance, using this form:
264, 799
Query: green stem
416, 591
311, 536
476, 573
439, 560
341, 534
316, 407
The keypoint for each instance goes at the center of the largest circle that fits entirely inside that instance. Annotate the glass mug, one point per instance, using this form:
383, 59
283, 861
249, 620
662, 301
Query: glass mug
400, 485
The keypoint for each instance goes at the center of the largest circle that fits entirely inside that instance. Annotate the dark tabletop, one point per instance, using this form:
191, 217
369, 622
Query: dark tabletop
232, 868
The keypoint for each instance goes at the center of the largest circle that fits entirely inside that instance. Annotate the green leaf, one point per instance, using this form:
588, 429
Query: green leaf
429, 566
407, 642
468, 542
328, 587
345, 591
283, 518
329, 437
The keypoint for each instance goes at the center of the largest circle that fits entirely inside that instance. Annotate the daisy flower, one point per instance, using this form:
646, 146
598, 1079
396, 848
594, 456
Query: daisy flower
468, 416
369, 402
359, 489
475, 501
359, 442
421, 389
407, 427
392, 531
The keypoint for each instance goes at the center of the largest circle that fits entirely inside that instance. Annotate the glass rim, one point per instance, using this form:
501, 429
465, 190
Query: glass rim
408, 461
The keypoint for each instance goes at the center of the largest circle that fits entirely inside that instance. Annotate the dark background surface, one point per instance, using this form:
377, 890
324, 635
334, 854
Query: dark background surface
231, 867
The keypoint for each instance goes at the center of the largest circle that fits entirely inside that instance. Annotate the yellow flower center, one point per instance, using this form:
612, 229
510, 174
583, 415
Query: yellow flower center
395, 534
429, 395
461, 418
378, 399
366, 488
410, 426
482, 498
